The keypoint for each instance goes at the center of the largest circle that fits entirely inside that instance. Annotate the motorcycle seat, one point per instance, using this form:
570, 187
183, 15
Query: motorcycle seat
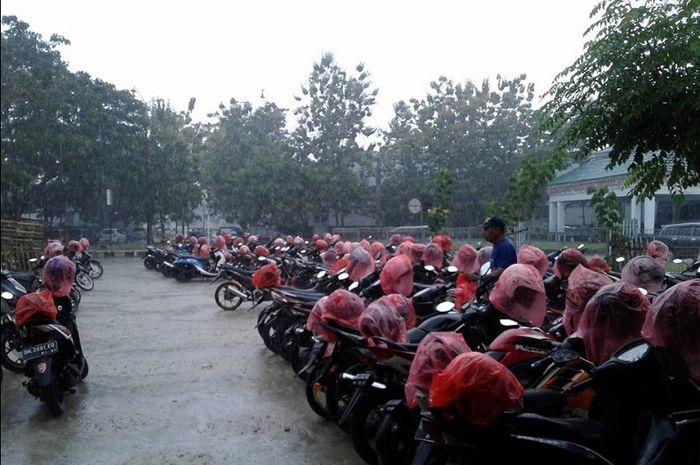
307, 295
436, 323
24, 278
582, 431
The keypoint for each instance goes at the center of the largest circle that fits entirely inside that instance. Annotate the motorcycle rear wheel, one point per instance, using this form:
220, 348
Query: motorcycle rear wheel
95, 269
316, 393
226, 299
11, 358
54, 400
183, 275
84, 281
149, 263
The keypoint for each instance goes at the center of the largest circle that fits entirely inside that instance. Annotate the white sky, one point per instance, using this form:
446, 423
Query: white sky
215, 50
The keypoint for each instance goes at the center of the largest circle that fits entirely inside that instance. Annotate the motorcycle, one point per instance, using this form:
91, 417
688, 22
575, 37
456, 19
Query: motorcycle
645, 412
10, 341
92, 266
54, 365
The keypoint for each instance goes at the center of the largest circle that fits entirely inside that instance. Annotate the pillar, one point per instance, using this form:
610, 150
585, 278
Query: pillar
635, 216
649, 216
560, 217
552, 216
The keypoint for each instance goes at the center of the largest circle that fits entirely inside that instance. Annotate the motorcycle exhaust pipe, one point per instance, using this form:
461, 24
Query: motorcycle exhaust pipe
237, 292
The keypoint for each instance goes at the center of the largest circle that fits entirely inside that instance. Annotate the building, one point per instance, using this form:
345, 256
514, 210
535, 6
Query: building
569, 200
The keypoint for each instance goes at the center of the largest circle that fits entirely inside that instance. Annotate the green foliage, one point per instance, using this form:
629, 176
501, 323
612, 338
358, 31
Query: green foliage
607, 210
478, 133
636, 89
327, 140
438, 214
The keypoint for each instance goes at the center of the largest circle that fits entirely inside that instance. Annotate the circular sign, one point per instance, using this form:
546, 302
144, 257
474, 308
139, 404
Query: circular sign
414, 206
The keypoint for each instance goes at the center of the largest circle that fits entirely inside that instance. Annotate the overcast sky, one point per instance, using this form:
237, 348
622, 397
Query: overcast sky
215, 50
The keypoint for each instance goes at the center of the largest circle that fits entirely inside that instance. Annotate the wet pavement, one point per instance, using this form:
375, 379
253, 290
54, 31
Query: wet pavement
173, 380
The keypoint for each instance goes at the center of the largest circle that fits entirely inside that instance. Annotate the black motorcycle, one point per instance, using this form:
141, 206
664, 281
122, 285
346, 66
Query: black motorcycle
10, 356
54, 362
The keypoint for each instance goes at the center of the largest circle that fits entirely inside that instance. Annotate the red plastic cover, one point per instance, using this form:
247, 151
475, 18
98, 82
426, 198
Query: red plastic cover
433, 255
583, 284
84, 244
58, 275
220, 242
321, 245
598, 263
434, 353
519, 294
417, 252
266, 277
53, 249
465, 261
397, 276
340, 264
531, 255
567, 261
261, 251
383, 320
613, 317
360, 264
658, 251
645, 272
673, 322
377, 248
35, 303
395, 239
444, 242
476, 388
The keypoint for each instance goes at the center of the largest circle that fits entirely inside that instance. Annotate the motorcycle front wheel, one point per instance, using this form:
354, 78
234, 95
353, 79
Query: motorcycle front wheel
95, 270
84, 281
11, 349
149, 263
226, 298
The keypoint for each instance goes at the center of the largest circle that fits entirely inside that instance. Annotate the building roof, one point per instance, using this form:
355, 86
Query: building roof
590, 169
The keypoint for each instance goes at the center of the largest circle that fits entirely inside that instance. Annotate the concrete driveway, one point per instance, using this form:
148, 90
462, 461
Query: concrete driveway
173, 380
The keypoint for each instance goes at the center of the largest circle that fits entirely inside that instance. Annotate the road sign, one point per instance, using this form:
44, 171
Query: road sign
414, 206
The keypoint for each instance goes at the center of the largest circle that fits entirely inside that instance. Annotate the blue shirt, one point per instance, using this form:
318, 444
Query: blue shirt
503, 255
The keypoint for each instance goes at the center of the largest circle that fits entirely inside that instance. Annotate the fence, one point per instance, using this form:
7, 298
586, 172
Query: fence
20, 241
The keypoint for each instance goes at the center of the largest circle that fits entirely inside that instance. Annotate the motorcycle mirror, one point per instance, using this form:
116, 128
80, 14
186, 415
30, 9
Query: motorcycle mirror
7, 295
353, 286
452, 269
444, 307
343, 276
620, 259
508, 322
563, 356
429, 268
485, 268
675, 260
637, 350
321, 274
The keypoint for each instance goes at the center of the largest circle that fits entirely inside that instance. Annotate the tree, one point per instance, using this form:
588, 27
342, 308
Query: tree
636, 89
437, 215
476, 133
327, 140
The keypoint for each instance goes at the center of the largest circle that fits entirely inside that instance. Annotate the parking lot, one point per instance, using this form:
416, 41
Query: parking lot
173, 380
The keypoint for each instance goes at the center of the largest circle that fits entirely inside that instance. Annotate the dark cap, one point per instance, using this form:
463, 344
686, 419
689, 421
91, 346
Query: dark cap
494, 222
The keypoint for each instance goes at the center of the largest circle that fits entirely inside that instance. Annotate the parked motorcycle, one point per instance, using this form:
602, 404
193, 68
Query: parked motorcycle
11, 356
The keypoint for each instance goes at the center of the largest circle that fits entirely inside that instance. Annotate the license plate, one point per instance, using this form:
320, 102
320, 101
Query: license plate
39, 350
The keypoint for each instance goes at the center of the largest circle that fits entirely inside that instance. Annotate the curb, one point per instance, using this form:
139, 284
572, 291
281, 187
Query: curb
117, 253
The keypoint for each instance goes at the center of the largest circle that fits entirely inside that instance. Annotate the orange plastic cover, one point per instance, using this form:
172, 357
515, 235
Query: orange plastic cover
531, 255
397, 276
613, 317
583, 284
519, 294
673, 322
266, 277
434, 353
476, 388
32, 304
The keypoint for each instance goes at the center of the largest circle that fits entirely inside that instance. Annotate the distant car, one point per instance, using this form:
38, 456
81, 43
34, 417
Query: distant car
682, 239
235, 231
138, 234
112, 236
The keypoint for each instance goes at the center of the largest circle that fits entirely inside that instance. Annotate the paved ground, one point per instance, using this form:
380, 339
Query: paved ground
173, 380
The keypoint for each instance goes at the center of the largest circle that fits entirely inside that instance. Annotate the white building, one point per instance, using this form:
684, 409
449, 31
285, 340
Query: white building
569, 200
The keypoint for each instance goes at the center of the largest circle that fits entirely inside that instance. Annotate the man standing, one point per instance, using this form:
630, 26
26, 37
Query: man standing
503, 254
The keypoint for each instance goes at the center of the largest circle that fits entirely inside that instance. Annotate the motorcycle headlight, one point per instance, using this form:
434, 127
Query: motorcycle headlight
17, 285
7, 295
